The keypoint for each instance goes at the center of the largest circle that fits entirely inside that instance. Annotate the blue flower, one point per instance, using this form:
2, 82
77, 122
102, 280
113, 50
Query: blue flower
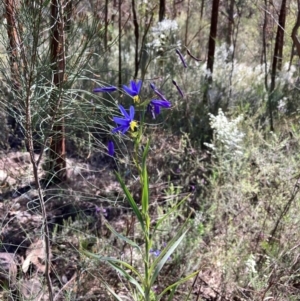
133, 90
152, 86
126, 122
111, 148
181, 58
105, 89
178, 88
158, 103
155, 252
158, 93
155, 105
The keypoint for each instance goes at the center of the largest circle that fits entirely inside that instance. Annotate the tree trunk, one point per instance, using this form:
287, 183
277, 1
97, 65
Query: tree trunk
136, 35
12, 32
202, 10
15, 109
57, 155
187, 23
162, 10
264, 59
213, 35
105, 24
230, 23
295, 30
277, 57
120, 42
280, 33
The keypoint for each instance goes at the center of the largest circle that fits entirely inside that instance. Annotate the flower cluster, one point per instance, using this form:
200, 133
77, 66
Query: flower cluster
134, 90
235, 76
154, 106
227, 133
156, 253
126, 122
161, 33
282, 105
165, 25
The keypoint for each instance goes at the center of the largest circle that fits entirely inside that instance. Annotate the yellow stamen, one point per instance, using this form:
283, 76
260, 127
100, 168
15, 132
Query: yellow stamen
133, 125
136, 99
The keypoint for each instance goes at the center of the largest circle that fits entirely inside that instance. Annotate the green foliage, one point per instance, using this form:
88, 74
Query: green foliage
234, 214
250, 198
143, 282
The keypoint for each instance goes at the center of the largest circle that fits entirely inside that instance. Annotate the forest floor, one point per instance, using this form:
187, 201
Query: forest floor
78, 212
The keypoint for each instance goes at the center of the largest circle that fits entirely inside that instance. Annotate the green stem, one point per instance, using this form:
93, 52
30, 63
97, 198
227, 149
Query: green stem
145, 211
147, 260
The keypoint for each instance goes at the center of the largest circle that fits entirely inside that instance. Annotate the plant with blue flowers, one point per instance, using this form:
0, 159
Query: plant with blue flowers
134, 90
142, 280
125, 123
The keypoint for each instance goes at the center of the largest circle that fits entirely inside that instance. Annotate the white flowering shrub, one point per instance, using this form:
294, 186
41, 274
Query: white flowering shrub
165, 31
287, 75
251, 265
240, 79
227, 136
165, 26
282, 105
236, 78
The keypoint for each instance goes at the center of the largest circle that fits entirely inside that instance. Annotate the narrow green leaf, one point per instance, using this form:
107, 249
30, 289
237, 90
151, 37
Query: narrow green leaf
145, 153
112, 292
169, 245
122, 237
170, 249
183, 280
127, 277
111, 259
131, 201
169, 212
145, 193
172, 293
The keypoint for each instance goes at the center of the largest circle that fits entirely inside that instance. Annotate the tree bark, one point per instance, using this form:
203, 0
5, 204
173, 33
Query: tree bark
202, 9
230, 22
213, 35
136, 35
14, 43
57, 155
187, 23
277, 57
105, 24
280, 33
264, 43
120, 42
295, 30
162, 10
